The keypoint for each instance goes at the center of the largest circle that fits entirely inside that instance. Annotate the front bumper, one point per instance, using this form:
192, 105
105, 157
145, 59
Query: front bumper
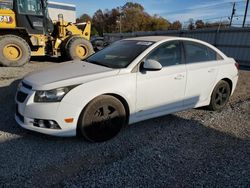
27, 112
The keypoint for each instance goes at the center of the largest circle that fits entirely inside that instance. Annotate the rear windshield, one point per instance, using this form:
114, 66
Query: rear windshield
120, 54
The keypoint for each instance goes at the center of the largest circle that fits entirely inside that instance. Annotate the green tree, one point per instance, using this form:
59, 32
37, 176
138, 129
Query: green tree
136, 19
199, 24
83, 18
131, 5
98, 22
131, 17
175, 25
111, 18
191, 24
158, 23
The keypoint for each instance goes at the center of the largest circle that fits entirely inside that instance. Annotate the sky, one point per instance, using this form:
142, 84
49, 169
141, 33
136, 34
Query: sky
172, 10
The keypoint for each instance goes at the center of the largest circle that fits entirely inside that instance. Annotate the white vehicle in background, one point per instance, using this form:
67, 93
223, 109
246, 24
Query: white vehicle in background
130, 81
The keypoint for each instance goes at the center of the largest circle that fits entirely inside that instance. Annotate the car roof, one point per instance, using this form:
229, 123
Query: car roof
152, 38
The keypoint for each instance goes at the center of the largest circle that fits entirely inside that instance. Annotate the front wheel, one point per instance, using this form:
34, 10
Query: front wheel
102, 119
220, 96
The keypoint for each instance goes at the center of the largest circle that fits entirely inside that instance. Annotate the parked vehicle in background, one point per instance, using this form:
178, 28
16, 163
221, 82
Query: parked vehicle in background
129, 81
97, 43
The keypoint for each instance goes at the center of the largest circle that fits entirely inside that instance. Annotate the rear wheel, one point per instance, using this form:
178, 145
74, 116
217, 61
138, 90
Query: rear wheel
102, 119
14, 51
220, 96
78, 48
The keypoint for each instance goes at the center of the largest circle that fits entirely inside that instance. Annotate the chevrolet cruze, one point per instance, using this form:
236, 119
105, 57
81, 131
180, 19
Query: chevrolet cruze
132, 80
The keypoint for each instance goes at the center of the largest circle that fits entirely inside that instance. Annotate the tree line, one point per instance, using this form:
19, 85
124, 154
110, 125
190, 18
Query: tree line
200, 24
132, 17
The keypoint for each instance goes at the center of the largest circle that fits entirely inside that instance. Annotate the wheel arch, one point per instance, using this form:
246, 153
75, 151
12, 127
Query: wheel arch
117, 96
19, 32
230, 82
211, 105
124, 103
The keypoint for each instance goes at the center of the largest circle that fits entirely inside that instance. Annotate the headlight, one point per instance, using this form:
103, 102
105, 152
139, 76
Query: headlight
55, 95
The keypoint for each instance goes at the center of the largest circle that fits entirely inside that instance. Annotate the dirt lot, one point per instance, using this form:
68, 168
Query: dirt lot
186, 149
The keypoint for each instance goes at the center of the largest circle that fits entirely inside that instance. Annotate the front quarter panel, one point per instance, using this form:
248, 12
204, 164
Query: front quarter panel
122, 85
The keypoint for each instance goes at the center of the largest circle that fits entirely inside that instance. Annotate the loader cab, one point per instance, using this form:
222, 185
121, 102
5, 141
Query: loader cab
33, 15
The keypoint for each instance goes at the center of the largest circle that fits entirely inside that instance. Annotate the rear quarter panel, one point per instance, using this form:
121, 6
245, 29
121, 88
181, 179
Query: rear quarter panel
227, 70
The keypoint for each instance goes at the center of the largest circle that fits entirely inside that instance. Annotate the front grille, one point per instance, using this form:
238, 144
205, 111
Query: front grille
20, 117
26, 86
21, 96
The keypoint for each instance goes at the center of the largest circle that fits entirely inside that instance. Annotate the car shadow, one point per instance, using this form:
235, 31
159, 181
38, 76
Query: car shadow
167, 151
7, 108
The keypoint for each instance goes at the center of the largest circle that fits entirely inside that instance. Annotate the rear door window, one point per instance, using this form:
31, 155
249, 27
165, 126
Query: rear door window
196, 53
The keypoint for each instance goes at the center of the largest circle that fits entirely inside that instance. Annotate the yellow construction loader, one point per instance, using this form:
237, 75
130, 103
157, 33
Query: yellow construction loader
26, 30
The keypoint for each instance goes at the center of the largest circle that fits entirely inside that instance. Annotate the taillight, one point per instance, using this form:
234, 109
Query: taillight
237, 65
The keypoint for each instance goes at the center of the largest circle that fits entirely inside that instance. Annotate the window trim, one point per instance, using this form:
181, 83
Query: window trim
184, 62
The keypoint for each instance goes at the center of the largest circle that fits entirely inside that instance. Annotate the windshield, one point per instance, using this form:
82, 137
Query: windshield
120, 54
30, 7
6, 4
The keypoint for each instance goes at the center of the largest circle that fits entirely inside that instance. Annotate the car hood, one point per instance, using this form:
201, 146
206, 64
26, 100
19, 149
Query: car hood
69, 73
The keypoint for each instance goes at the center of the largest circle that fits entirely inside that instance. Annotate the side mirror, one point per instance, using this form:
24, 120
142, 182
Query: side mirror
152, 65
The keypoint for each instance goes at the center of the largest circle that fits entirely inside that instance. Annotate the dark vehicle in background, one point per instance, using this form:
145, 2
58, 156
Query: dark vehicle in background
98, 43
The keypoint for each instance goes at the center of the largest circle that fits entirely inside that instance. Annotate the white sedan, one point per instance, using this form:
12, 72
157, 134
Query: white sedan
132, 80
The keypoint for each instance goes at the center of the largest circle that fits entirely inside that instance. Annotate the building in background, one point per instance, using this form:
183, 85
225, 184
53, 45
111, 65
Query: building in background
68, 11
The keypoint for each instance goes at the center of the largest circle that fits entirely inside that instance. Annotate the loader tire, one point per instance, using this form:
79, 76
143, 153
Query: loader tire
78, 48
14, 51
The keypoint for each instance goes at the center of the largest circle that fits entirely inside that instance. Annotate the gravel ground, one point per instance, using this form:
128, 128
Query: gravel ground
192, 148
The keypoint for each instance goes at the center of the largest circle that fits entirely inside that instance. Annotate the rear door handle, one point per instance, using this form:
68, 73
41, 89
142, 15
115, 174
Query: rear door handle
179, 77
211, 70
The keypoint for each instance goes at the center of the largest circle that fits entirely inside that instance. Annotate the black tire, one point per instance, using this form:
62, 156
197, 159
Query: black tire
220, 96
78, 48
14, 51
102, 119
